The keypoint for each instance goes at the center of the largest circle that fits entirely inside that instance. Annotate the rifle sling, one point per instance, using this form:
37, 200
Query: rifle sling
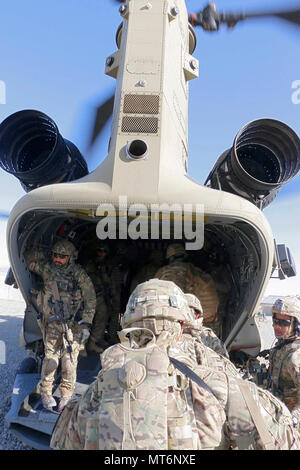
258, 420
191, 374
253, 408
54, 289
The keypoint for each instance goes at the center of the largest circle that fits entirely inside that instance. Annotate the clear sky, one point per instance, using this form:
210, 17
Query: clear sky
53, 56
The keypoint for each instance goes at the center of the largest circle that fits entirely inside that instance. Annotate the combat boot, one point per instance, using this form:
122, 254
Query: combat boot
62, 403
48, 401
97, 347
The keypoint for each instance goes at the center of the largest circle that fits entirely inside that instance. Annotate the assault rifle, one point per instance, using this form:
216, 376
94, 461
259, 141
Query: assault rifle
255, 369
62, 314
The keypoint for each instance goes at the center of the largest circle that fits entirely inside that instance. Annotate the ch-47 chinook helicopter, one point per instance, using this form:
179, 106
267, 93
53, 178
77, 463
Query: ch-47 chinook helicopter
144, 172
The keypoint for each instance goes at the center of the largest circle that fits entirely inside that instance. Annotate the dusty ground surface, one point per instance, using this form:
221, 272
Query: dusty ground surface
11, 354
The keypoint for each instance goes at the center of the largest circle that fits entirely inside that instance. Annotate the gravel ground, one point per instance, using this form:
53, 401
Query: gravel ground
11, 354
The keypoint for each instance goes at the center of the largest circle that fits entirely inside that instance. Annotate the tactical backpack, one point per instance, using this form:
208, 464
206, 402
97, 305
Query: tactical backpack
192, 279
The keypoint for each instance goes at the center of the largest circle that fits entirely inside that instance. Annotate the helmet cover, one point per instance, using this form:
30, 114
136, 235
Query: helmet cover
157, 299
194, 303
289, 305
65, 247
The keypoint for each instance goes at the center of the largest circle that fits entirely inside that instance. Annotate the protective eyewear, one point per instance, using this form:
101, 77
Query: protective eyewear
281, 322
59, 255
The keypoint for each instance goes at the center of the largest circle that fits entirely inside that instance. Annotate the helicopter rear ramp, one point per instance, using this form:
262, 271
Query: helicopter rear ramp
27, 419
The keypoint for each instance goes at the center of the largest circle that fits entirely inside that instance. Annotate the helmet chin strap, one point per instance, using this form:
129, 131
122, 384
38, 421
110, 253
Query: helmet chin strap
291, 337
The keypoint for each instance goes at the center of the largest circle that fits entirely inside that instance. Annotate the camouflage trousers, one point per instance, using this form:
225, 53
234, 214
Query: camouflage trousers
100, 321
55, 351
104, 319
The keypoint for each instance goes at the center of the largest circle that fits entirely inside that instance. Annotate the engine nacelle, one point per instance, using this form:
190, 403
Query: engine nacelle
264, 156
33, 150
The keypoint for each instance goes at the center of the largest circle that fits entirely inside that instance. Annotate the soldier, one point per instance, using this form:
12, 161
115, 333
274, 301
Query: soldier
148, 271
107, 274
208, 337
192, 280
98, 270
152, 393
67, 303
119, 272
284, 359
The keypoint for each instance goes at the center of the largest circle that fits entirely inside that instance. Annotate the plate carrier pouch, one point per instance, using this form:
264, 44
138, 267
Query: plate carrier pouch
133, 405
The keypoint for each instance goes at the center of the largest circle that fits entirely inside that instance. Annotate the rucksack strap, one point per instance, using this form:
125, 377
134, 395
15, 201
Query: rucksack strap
191, 374
262, 429
253, 408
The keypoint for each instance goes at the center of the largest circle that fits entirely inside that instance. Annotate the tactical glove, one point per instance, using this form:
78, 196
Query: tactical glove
85, 332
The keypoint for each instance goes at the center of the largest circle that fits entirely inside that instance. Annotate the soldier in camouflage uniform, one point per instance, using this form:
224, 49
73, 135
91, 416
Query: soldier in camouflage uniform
284, 359
98, 270
207, 336
65, 284
147, 398
106, 273
119, 273
192, 280
148, 271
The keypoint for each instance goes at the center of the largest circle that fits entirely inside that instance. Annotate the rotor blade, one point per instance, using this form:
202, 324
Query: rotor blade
291, 16
210, 18
103, 113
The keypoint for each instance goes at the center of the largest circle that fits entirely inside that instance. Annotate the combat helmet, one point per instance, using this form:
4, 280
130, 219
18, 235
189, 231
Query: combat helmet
194, 303
65, 247
156, 304
175, 249
289, 305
